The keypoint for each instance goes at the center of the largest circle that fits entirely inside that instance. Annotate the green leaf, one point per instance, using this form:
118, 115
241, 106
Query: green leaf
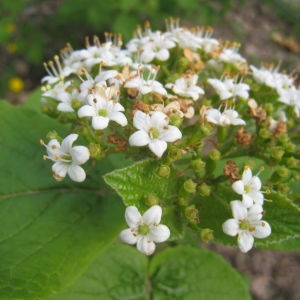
195, 274
120, 272
49, 231
139, 181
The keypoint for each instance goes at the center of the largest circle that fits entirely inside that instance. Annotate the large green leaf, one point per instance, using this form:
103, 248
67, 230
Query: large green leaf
49, 231
187, 273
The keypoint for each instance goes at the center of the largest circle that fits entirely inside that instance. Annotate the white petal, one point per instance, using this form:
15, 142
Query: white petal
158, 147
159, 233
145, 245
66, 144
247, 175
133, 216
171, 134
245, 241
128, 236
255, 213
159, 119
257, 197
141, 121
239, 211
213, 115
139, 138
239, 187
80, 154
231, 227
60, 169
262, 229
65, 107
153, 215
247, 200
86, 111
76, 173
119, 118
255, 183
163, 54
99, 122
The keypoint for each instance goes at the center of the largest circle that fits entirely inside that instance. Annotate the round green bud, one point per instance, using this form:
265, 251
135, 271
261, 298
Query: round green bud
151, 200
283, 172
292, 162
283, 188
197, 165
214, 155
205, 129
283, 138
269, 108
95, 150
277, 153
204, 189
207, 235
192, 214
264, 133
289, 147
190, 186
175, 120
53, 135
164, 171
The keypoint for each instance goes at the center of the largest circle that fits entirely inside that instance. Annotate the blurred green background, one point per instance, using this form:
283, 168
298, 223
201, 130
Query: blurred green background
33, 31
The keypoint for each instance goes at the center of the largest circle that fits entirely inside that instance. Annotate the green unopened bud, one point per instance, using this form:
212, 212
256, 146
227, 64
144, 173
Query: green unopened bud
265, 133
190, 186
283, 172
197, 165
175, 120
207, 235
204, 189
53, 135
292, 162
76, 104
164, 171
192, 214
151, 200
283, 188
277, 153
284, 138
95, 151
269, 108
214, 155
205, 129
182, 64
289, 147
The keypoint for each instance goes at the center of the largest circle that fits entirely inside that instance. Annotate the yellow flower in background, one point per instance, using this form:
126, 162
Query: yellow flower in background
11, 47
16, 84
10, 27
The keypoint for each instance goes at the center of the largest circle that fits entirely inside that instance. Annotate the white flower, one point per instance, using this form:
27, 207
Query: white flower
246, 224
186, 86
67, 159
226, 118
144, 231
102, 109
249, 187
229, 88
153, 131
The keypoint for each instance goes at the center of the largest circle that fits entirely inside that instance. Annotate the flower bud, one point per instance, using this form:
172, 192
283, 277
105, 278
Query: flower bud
151, 200
192, 214
205, 129
264, 133
214, 155
292, 162
95, 151
164, 171
175, 120
277, 153
190, 186
207, 235
283, 172
53, 135
197, 165
204, 189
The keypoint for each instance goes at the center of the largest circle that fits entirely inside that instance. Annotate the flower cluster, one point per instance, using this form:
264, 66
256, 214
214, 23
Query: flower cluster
189, 102
246, 222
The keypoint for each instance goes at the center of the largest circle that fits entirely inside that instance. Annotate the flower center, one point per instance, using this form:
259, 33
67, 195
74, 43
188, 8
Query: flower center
244, 225
102, 112
247, 188
143, 229
153, 133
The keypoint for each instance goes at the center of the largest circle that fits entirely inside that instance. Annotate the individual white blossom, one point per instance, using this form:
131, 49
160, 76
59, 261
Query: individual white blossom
249, 187
102, 109
144, 230
229, 88
67, 159
153, 130
246, 224
186, 86
225, 118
